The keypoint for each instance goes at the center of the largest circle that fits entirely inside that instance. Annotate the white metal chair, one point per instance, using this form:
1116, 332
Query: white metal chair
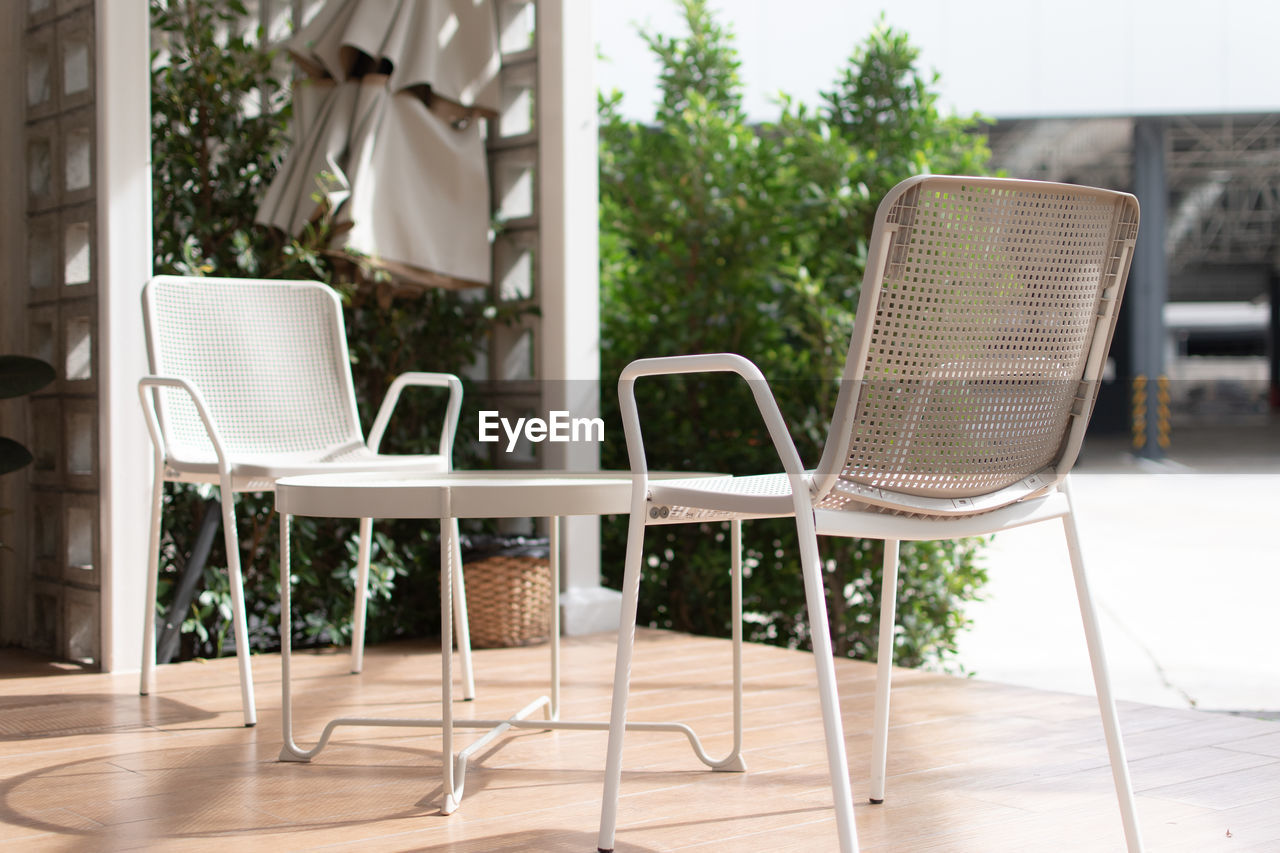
252, 382
987, 309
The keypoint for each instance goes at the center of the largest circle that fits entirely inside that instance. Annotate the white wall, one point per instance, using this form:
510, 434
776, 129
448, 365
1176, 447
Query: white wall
569, 268
124, 240
1004, 58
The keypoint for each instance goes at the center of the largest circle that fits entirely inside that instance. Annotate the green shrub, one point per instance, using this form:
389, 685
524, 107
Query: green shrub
720, 236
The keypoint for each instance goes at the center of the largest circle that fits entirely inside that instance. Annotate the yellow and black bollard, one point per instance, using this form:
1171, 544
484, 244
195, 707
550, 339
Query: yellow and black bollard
1150, 410
1163, 430
1139, 411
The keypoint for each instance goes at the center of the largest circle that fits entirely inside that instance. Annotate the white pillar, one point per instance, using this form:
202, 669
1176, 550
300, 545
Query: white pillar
1148, 287
568, 276
125, 252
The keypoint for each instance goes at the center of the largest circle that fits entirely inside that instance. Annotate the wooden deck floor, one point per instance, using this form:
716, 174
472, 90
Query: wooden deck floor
85, 763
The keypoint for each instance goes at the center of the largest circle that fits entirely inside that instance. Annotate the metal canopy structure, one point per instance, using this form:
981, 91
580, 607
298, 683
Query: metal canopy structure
1222, 172
1224, 176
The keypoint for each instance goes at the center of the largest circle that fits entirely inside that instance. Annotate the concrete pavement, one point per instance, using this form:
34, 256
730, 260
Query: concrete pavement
1183, 557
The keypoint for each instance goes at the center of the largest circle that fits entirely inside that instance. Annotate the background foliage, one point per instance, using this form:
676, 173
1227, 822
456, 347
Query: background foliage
220, 115
717, 235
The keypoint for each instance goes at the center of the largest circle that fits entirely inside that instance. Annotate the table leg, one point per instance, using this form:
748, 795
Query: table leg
290, 750
460, 615
454, 766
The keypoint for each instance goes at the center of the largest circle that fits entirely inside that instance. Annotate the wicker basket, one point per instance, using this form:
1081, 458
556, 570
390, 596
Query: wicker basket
508, 601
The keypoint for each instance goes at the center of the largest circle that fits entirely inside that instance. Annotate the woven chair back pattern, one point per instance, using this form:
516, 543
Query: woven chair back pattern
269, 358
982, 316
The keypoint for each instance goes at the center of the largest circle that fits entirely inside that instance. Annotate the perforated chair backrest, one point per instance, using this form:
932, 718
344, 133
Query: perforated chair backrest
986, 312
269, 357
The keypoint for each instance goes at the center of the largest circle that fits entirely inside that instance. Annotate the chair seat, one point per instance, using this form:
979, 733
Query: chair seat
717, 498
259, 473
907, 517
851, 495
873, 522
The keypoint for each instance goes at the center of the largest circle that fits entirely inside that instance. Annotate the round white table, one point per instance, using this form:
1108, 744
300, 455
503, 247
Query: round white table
449, 497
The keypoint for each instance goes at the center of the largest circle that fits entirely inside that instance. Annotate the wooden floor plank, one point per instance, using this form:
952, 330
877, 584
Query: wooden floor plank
87, 764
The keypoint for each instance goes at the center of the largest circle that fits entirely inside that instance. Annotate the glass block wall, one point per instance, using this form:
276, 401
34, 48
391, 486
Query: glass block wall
61, 279
52, 124
510, 371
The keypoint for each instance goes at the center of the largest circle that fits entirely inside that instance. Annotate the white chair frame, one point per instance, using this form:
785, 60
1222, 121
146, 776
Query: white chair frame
239, 455
847, 496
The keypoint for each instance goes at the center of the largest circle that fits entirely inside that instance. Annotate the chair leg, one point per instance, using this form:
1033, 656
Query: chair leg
360, 612
735, 761
453, 780
621, 680
239, 618
148, 679
1102, 685
820, 633
884, 669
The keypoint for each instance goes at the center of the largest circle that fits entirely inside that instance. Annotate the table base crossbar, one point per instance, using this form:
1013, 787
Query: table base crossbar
733, 762
455, 769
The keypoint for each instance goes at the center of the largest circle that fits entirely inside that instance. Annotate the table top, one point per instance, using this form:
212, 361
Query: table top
461, 494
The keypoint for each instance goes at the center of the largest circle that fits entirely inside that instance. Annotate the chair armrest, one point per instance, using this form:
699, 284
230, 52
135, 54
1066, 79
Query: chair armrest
147, 387
429, 380
709, 363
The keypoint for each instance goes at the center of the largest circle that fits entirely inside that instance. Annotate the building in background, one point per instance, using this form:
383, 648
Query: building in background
1176, 102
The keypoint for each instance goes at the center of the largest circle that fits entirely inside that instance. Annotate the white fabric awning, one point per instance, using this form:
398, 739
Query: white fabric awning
449, 45
378, 138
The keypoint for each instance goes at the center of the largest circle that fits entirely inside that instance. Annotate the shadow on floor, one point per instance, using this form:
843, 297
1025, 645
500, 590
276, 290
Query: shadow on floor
66, 714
